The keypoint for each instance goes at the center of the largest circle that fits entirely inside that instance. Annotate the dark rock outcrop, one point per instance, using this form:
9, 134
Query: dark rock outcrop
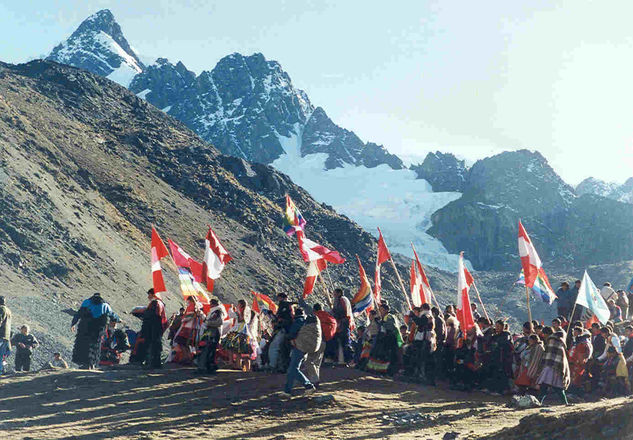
443, 171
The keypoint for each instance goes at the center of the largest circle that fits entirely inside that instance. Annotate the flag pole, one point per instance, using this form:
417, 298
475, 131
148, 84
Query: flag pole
527, 298
330, 279
404, 291
571, 316
480, 301
327, 291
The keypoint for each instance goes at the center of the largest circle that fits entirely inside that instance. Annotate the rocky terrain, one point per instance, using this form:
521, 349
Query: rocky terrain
621, 193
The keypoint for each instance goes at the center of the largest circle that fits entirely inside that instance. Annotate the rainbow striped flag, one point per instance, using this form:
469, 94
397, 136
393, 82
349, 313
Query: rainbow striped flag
541, 286
293, 220
363, 298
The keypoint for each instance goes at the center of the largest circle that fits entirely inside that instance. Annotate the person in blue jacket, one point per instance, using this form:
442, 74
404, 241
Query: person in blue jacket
90, 323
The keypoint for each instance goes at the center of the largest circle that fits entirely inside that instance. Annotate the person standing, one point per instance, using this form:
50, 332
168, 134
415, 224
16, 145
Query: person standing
24, 343
564, 301
555, 374
342, 311
5, 333
623, 302
211, 337
90, 322
154, 325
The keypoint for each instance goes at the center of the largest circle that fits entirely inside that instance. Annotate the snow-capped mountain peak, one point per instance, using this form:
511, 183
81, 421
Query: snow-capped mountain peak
98, 45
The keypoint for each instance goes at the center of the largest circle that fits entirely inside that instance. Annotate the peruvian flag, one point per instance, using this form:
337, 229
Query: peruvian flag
529, 258
382, 256
425, 287
464, 312
416, 286
314, 269
159, 251
183, 259
311, 251
215, 258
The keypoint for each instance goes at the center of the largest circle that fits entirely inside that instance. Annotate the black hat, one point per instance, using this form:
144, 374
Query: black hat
299, 311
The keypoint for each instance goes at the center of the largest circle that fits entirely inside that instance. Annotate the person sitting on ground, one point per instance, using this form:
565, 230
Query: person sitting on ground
310, 339
555, 375
24, 343
115, 343
57, 363
615, 376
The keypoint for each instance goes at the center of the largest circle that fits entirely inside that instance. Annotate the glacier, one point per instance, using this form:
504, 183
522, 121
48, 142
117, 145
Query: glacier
394, 200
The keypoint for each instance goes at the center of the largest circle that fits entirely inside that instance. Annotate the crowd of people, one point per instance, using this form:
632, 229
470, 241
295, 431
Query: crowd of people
425, 345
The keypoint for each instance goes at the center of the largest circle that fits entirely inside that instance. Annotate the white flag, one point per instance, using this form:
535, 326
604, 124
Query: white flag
589, 297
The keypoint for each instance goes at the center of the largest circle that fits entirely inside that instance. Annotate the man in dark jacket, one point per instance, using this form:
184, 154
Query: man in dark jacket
564, 300
500, 358
154, 325
24, 343
342, 311
90, 321
296, 357
5, 333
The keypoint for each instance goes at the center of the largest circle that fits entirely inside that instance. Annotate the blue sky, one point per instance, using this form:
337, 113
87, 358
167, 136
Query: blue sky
473, 78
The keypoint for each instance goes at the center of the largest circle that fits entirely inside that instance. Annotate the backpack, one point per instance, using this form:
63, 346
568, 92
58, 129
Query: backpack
328, 325
308, 339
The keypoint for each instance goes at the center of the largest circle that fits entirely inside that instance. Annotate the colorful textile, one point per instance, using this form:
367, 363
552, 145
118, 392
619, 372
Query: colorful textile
266, 300
530, 261
293, 220
555, 365
363, 298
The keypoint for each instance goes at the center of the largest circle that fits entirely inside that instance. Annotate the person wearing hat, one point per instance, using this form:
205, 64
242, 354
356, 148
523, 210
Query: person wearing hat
24, 343
5, 333
154, 325
90, 322
564, 300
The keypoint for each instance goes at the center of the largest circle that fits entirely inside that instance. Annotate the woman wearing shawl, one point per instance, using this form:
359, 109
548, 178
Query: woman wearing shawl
530, 363
468, 360
92, 318
211, 337
384, 355
186, 338
240, 345
555, 375
579, 354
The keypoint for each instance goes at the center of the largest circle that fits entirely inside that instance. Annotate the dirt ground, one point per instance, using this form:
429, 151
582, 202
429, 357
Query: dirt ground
126, 403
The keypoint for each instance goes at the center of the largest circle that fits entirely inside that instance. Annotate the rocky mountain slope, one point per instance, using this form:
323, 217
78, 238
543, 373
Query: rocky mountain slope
88, 167
621, 193
569, 231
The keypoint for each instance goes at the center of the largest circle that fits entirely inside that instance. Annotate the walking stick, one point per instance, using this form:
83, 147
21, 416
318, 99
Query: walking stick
480, 301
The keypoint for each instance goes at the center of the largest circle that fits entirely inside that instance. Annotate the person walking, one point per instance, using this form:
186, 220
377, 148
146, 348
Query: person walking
24, 343
90, 322
300, 340
314, 360
5, 334
555, 374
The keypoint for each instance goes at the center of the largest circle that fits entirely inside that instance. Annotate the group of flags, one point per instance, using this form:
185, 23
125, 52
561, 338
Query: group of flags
192, 274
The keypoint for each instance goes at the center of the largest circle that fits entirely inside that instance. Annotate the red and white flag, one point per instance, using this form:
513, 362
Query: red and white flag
159, 251
464, 311
215, 258
183, 259
311, 251
382, 256
529, 258
314, 269
416, 286
425, 287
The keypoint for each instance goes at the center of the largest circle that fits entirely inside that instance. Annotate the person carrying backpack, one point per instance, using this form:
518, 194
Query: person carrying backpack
327, 324
304, 337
